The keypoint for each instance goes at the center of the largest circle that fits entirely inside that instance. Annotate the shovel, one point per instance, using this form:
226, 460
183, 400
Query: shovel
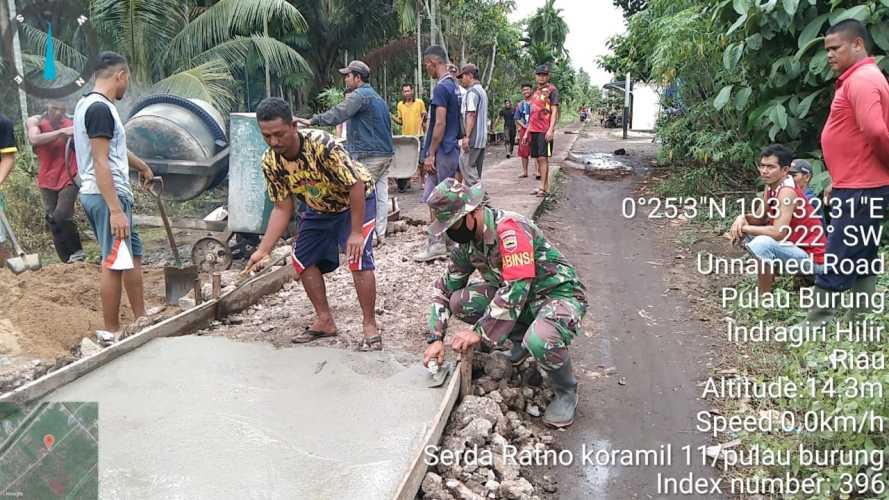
21, 262
178, 279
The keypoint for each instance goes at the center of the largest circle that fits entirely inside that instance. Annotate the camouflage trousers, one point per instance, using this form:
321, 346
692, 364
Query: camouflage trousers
545, 327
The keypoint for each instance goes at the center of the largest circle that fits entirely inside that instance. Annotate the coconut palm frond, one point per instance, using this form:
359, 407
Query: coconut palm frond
37, 39
217, 24
407, 14
280, 59
140, 30
210, 81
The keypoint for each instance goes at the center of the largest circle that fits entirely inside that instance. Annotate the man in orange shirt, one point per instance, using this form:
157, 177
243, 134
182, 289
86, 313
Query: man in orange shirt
855, 142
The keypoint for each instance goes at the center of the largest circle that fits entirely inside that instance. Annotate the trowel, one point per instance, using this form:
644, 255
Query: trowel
438, 374
21, 262
178, 279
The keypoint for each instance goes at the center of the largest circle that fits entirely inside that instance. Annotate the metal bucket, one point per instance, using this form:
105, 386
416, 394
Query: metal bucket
407, 156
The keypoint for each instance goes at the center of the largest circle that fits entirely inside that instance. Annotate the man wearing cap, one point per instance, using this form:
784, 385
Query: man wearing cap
474, 109
529, 294
544, 117
368, 135
7, 162
440, 154
801, 171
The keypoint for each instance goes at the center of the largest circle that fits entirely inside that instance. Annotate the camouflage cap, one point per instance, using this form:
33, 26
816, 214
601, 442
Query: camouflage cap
450, 201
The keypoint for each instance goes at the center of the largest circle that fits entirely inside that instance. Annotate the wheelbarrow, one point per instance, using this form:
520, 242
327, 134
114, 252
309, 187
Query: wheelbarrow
21, 262
178, 279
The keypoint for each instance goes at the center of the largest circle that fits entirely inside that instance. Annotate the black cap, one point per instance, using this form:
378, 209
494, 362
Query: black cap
543, 69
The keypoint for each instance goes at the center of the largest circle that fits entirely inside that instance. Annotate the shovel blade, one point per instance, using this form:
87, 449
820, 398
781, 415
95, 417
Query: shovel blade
32, 262
178, 281
16, 264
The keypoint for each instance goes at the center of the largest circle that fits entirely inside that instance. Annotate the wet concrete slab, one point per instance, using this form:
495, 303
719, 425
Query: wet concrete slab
207, 417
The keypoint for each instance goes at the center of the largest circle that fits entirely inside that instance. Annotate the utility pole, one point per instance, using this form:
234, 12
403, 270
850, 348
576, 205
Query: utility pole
626, 103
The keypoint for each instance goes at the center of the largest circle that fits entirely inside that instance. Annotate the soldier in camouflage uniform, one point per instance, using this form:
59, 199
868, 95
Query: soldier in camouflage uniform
529, 293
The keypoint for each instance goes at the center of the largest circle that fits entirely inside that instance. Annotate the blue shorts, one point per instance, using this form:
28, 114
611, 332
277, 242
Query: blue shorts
321, 237
446, 166
852, 207
99, 215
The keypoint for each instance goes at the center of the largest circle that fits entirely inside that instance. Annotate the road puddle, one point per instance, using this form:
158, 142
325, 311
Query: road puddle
601, 165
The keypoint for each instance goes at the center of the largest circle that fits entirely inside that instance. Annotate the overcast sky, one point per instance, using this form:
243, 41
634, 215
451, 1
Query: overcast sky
590, 23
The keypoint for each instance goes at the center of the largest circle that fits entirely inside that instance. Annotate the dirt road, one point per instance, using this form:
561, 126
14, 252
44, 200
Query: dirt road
643, 353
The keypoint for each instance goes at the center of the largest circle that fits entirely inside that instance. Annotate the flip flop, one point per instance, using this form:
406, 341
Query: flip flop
537, 177
311, 335
523, 176
542, 194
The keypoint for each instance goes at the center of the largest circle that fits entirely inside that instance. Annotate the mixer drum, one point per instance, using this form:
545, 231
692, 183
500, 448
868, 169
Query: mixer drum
190, 132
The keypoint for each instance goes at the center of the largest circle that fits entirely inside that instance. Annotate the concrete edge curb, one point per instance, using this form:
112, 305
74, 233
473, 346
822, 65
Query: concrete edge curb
410, 485
183, 323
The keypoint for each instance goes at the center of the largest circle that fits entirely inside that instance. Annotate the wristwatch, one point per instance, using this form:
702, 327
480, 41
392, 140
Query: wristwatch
433, 337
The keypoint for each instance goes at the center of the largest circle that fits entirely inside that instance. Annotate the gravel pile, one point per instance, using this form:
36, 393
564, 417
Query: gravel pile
494, 440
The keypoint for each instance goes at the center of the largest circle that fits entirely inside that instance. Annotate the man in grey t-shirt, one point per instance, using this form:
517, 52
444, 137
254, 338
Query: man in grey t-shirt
475, 124
104, 168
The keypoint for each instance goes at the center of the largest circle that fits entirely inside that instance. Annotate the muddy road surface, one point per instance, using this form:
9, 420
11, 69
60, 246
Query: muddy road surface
643, 352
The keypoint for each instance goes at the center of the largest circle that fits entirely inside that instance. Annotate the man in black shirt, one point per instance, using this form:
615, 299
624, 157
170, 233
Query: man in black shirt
508, 115
7, 161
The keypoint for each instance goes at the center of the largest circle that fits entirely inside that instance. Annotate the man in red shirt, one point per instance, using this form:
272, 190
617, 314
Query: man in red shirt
49, 135
542, 127
855, 142
789, 230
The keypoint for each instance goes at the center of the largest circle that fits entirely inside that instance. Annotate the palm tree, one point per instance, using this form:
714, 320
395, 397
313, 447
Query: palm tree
192, 51
547, 27
340, 30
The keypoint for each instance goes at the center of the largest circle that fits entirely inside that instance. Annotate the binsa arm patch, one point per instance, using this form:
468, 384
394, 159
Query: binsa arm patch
516, 252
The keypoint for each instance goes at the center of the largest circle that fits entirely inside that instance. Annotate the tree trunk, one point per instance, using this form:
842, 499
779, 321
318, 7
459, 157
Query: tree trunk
433, 16
19, 66
419, 77
268, 76
491, 66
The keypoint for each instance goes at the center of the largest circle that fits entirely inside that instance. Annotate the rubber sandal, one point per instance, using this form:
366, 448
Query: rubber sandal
310, 336
368, 344
542, 194
537, 177
523, 176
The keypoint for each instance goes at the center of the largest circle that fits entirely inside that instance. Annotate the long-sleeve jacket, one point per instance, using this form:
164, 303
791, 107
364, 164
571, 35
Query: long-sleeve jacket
370, 131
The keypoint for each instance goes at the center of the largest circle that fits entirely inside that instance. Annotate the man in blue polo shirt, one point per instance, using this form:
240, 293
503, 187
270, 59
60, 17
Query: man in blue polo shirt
440, 155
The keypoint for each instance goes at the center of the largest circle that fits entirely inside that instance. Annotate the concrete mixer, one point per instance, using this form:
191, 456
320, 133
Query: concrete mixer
185, 142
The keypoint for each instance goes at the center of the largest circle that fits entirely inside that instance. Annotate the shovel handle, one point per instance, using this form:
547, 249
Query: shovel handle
163, 211
8, 228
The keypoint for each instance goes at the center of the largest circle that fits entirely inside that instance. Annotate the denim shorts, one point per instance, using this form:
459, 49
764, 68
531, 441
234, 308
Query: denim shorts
99, 215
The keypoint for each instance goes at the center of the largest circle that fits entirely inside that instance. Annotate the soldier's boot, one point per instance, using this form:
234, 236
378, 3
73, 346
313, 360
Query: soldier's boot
561, 410
819, 315
517, 353
865, 285
435, 249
